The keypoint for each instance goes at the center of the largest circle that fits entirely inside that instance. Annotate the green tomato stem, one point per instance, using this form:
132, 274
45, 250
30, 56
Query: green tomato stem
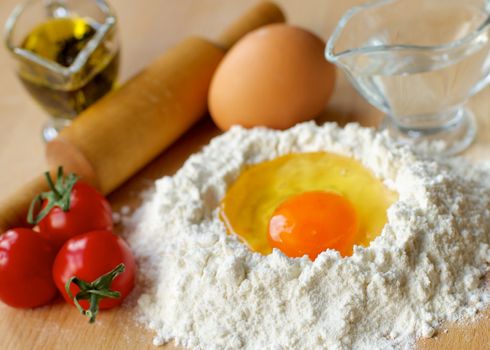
94, 291
59, 195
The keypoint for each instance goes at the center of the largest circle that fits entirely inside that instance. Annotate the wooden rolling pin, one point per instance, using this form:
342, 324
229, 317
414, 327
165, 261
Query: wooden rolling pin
124, 131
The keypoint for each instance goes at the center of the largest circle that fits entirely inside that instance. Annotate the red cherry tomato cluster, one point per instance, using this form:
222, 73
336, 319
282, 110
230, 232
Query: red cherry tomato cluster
74, 252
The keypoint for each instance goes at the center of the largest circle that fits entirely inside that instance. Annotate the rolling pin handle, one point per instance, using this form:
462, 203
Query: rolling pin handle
264, 13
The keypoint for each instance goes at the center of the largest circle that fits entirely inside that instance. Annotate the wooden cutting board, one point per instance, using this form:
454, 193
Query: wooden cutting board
61, 327
56, 326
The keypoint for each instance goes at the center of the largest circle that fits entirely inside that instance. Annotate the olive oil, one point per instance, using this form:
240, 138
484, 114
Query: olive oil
60, 41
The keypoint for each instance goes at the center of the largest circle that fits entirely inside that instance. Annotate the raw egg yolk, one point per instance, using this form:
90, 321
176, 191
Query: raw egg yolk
312, 222
263, 188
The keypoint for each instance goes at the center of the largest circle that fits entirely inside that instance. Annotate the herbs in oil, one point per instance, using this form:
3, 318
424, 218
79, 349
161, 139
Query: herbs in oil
60, 41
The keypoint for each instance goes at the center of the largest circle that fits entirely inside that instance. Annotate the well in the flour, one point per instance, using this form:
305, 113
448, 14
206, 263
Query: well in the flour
271, 204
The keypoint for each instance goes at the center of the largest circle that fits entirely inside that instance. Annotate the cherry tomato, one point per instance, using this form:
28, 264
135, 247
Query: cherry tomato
90, 256
70, 208
89, 211
26, 261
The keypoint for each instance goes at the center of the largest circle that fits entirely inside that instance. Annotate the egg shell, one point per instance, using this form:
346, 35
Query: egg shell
276, 76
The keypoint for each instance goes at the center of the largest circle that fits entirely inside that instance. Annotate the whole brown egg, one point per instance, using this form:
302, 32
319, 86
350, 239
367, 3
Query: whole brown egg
276, 76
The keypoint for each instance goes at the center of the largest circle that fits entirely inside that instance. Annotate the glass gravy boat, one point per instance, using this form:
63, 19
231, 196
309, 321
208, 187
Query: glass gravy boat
418, 61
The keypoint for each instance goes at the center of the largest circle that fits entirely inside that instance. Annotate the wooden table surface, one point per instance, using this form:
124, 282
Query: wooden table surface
147, 28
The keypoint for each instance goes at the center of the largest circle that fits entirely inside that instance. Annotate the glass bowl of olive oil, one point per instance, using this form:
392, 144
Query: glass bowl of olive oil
66, 53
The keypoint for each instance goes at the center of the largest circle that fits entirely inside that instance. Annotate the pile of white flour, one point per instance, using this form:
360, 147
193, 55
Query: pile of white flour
206, 290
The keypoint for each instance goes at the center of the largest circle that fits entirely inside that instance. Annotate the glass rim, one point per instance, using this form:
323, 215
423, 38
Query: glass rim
332, 41
82, 57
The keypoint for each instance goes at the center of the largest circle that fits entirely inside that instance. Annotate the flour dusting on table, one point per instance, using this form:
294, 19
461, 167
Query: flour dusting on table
207, 290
